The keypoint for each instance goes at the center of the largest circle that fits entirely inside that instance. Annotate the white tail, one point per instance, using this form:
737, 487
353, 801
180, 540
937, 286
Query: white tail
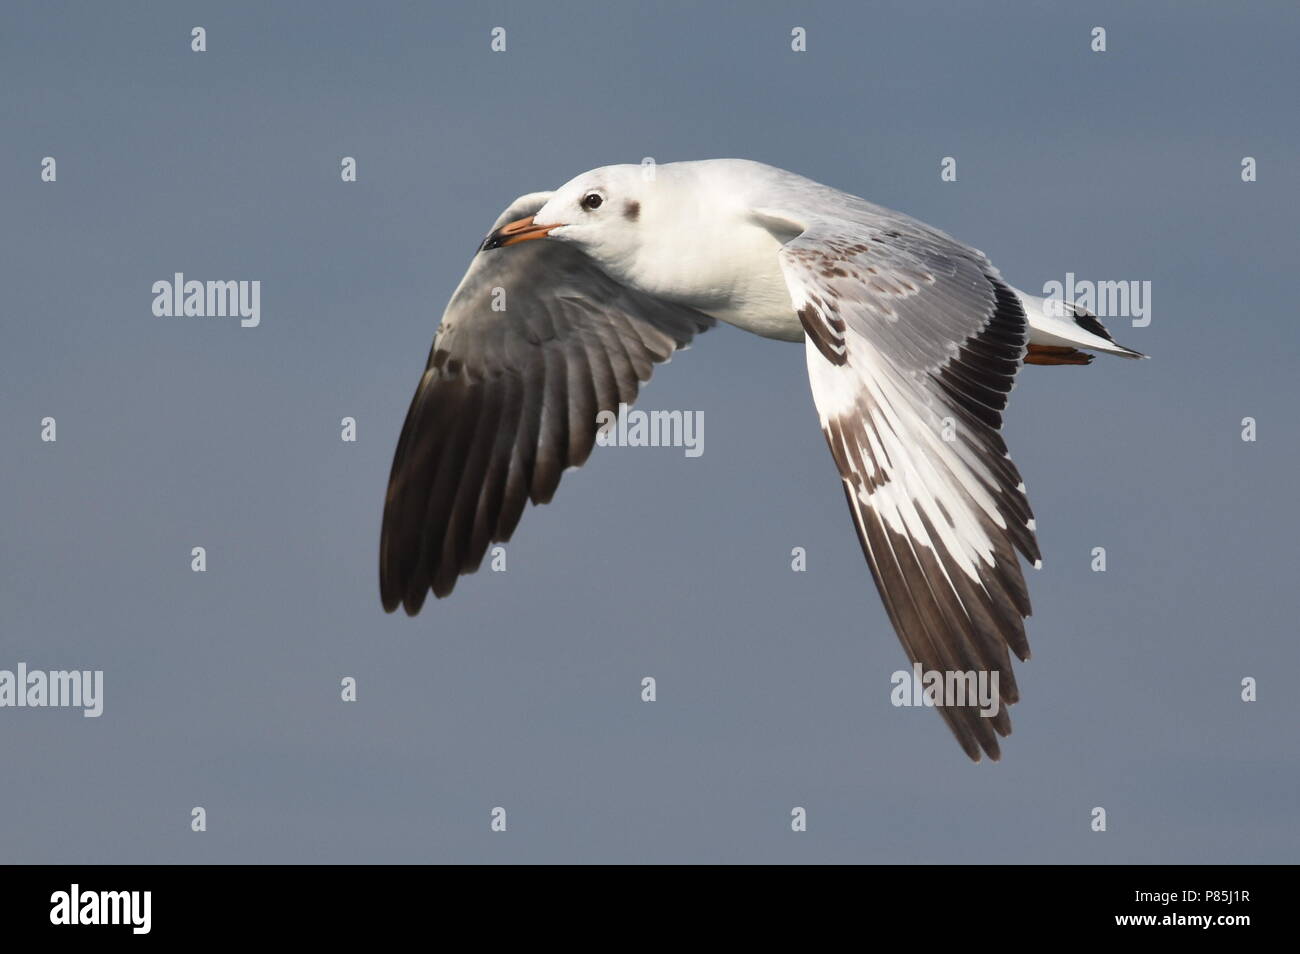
1063, 324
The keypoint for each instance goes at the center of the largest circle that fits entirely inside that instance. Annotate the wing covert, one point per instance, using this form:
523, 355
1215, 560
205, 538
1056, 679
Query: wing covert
913, 344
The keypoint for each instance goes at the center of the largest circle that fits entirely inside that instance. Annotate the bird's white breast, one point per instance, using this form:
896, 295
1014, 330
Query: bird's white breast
733, 274
759, 300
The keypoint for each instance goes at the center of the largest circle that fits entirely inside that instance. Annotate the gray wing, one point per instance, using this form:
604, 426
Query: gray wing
509, 400
913, 343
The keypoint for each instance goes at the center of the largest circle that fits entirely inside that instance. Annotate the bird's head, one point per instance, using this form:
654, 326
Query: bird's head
667, 231
600, 211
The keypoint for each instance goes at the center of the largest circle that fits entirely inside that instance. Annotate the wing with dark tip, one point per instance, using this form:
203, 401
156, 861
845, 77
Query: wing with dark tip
913, 343
535, 342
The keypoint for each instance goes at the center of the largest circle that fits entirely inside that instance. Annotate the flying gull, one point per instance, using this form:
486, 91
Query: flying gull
912, 339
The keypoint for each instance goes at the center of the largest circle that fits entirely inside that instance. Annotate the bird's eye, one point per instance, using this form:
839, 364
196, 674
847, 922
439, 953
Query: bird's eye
592, 201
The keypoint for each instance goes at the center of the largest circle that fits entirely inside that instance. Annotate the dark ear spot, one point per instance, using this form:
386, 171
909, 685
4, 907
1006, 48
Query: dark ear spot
631, 210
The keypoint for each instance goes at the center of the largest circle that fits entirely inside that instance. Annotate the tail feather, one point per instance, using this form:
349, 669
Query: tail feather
1065, 325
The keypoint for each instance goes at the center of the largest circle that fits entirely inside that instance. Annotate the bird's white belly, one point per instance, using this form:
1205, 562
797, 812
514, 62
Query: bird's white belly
733, 274
757, 298
769, 319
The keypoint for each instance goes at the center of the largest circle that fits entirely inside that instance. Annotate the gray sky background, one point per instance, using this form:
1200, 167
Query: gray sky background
522, 690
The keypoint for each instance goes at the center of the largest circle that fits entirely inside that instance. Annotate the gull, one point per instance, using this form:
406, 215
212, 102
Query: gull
912, 342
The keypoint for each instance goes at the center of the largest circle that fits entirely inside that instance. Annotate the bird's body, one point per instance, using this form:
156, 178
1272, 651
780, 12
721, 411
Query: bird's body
912, 341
